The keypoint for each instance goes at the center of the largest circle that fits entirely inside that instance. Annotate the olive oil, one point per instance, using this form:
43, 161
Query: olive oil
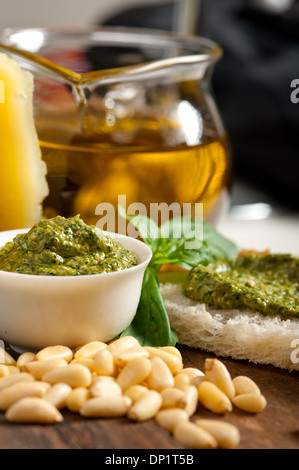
85, 173
115, 117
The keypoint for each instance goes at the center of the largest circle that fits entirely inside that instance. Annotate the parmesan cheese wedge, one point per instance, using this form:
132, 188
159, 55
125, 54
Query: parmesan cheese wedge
23, 184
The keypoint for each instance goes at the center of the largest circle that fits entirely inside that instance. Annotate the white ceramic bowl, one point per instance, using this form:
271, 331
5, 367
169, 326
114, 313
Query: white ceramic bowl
38, 311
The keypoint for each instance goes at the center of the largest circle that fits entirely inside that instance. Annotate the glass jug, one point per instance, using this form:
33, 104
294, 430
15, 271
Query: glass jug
123, 111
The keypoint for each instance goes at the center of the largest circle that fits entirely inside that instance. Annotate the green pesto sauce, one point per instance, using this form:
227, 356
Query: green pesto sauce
64, 247
268, 284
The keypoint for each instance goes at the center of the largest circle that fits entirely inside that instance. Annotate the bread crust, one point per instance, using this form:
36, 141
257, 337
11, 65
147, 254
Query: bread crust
231, 333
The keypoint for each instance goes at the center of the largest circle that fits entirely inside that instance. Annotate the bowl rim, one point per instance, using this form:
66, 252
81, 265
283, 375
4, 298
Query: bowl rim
141, 265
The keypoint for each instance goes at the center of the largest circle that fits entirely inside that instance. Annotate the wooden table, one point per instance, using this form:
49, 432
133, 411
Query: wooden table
277, 427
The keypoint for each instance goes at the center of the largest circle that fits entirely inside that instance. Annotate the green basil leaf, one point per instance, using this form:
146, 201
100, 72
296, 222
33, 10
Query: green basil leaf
194, 243
150, 326
220, 247
147, 228
181, 242
182, 228
188, 259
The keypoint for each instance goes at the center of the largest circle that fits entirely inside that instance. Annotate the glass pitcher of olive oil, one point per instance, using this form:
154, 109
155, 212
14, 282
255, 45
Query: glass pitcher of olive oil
122, 111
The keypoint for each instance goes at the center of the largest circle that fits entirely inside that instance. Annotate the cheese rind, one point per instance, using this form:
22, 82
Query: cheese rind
23, 184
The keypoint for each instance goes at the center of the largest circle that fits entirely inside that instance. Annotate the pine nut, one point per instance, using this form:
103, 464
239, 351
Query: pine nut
227, 435
212, 398
6, 358
18, 390
170, 418
102, 378
191, 436
85, 361
135, 392
13, 370
14, 378
105, 389
75, 375
146, 407
125, 356
192, 372
172, 350
217, 373
244, 384
160, 376
89, 350
121, 344
4, 370
190, 399
195, 376
250, 402
55, 352
33, 410
39, 368
104, 363
174, 362
24, 358
76, 399
103, 407
180, 380
172, 398
134, 372
124, 378
58, 394
196, 381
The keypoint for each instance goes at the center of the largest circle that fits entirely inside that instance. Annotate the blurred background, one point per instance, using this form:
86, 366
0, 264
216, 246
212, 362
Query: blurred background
251, 83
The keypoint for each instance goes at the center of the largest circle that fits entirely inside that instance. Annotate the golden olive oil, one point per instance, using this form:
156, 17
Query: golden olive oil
85, 174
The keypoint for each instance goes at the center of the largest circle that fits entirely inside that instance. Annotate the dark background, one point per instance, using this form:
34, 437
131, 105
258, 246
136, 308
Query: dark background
252, 86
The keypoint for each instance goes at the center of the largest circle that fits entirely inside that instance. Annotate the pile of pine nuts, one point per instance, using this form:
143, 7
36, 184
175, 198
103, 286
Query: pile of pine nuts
122, 378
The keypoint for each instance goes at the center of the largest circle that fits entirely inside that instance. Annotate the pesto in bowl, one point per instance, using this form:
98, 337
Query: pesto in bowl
65, 247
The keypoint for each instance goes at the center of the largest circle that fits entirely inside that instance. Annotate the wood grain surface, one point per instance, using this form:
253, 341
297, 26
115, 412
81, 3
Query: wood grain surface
277, 427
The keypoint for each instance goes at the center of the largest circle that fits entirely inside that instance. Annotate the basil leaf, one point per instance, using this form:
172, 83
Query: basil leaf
150, 326
181, 242
219, 246
183, 228
194, 242
147, 228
